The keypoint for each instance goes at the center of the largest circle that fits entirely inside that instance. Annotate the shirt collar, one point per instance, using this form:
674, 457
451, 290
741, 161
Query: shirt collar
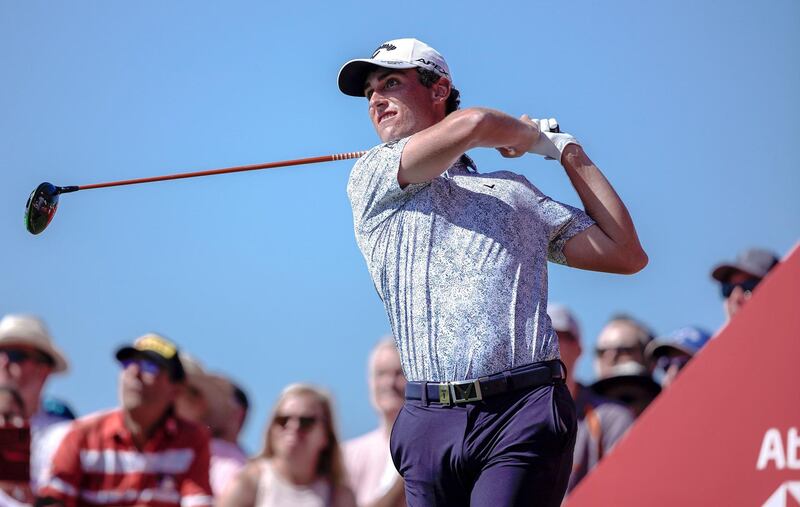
464, 165
166, 428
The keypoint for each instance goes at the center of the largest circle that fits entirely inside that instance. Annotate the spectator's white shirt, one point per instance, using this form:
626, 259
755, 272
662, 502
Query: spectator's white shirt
369, 466
226, 460
8, 501
47, 431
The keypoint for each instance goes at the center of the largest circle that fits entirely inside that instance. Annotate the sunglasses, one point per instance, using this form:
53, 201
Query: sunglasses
665, 363
145, 365
17, 356
747, 286
304, 423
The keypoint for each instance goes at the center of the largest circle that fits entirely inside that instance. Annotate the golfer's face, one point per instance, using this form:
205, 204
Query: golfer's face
399, 105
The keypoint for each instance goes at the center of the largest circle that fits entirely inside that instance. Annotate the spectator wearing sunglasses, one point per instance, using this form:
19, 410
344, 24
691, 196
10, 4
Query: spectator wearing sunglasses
601, 421
622, 340
738, 279
623, 371
671, 353
28, 357
301, 464
140, 454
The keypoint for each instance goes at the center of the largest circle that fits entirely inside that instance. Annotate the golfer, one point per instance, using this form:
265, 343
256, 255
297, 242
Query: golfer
459, 259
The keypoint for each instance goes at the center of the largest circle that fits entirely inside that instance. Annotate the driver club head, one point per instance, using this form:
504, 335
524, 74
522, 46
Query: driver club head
41, 207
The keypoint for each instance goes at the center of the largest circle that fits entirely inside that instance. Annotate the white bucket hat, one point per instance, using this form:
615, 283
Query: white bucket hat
30, 331
393, 54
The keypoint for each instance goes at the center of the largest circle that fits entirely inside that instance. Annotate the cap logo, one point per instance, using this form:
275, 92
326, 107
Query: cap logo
387, 47
429, 63
157, 345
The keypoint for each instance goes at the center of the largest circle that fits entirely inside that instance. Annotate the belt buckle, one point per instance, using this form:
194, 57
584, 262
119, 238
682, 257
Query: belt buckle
444, 394
465, 391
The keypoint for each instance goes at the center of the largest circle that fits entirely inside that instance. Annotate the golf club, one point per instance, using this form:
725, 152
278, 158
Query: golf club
43, 201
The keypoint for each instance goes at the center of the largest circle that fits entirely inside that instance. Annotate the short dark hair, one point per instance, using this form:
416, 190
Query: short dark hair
241, 397
428, 78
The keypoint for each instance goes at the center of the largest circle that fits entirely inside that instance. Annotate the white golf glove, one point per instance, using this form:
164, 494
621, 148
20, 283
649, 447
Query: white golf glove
552, 142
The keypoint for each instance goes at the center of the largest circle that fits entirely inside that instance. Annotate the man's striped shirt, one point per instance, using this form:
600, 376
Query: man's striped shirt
99, 464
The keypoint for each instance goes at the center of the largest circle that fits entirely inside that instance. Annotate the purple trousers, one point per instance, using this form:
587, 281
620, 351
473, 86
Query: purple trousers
513, 449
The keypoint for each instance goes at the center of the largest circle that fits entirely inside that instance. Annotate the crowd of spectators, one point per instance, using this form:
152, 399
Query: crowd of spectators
174, 439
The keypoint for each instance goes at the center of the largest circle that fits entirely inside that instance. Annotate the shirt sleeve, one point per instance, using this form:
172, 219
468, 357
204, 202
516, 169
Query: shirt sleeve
563, 223
196, 488
64, 478
373, 188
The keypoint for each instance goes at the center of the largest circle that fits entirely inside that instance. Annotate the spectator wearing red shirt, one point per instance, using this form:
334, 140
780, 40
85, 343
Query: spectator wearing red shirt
15, 489
140, 454
28, 358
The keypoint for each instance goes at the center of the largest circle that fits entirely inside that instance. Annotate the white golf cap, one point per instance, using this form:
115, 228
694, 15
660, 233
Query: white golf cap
393, 54
561, 319
30, 331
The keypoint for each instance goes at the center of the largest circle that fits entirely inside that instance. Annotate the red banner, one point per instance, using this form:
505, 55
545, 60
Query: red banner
727, 432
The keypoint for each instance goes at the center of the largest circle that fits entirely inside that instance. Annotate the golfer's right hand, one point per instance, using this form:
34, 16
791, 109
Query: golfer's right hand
552, 142
526, 136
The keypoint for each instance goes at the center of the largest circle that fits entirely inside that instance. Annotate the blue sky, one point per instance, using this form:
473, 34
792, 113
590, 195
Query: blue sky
688, 107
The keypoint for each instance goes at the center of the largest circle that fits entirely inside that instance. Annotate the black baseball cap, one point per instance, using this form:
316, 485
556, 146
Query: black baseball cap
157, 349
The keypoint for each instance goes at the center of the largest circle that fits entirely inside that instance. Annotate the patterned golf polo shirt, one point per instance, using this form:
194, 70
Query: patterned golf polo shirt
460, 263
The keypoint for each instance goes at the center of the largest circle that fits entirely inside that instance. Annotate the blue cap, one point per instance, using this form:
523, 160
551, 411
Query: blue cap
689, 340
58, 408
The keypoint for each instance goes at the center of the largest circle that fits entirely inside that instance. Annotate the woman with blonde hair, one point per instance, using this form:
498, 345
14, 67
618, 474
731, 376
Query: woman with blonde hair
301, 464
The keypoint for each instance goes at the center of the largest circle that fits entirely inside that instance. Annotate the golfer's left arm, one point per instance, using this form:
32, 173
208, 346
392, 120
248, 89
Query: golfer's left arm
611, 245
